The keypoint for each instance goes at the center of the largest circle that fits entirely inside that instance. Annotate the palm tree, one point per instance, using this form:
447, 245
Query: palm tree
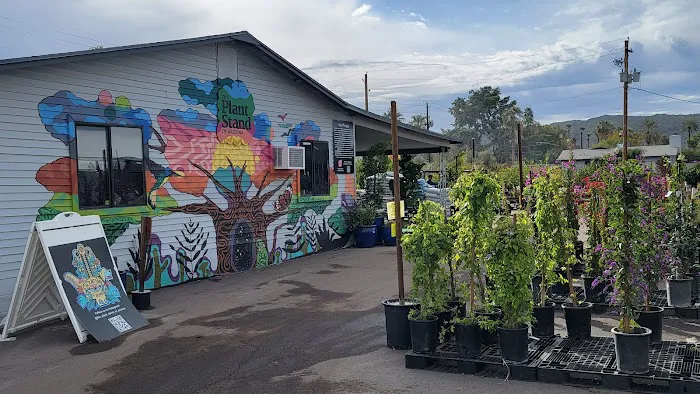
418, 121
603, 129
651, 135
691, 126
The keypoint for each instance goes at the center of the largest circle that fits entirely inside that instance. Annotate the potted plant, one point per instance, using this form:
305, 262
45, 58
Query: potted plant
374, 167
592, 213
652, 251
361, 221
141, 298
553, 249
510, 266
623, 266
682, 226
425, 247
476, 197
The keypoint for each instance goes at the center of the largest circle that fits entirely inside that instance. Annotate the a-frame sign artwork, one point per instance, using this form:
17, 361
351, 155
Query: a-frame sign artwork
68, 270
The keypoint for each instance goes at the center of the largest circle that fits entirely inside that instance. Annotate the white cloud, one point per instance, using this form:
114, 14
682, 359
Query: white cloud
361, 10
538, 28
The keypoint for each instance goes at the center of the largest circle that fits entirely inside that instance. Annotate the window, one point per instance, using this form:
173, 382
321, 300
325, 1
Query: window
110, 167
315, 178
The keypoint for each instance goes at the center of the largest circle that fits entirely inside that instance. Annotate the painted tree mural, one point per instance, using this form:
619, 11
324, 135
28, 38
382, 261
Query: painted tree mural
217, 154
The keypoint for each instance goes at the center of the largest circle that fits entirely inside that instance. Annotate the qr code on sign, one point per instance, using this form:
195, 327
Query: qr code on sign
119, 323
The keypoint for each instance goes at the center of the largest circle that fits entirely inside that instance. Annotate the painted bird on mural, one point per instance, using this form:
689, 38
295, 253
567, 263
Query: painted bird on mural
161, 174
282, 116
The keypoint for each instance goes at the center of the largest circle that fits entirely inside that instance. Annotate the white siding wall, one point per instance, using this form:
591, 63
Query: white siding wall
149, 81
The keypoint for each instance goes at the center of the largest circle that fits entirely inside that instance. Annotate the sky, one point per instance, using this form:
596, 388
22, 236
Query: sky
553, 56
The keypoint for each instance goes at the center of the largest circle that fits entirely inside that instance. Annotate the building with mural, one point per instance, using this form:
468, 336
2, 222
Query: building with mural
183, 132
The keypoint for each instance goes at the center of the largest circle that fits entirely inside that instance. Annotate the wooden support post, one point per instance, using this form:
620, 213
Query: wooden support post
397, 197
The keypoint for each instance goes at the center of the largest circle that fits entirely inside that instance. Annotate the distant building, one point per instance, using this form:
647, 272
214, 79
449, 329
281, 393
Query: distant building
650, 153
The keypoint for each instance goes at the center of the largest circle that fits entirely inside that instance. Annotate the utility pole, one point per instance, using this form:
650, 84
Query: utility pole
624, 109
397, 197
626, 77
427, 117
366, 94
582, 128
520, 163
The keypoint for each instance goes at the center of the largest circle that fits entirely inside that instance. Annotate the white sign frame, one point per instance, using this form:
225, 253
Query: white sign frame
64, 228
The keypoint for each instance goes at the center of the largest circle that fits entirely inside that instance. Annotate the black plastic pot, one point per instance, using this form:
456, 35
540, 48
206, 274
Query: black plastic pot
513, 343
398, 331
141, 299
459, 306
595, 294
468, 340
444, 319
632, 350
653, 320
543, 326
424, 335
678, 292
490, 337
695, 288
578, 320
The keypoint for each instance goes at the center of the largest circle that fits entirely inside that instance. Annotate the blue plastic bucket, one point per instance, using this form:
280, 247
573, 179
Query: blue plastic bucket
365, 236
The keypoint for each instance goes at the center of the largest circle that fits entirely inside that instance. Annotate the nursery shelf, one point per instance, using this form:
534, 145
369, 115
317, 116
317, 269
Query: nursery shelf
674, 366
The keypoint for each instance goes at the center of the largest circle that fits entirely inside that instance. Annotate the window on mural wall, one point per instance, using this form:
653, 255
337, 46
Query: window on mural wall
110, 167
315, 178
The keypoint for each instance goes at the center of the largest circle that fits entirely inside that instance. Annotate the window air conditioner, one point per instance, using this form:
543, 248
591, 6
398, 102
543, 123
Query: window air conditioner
289, 157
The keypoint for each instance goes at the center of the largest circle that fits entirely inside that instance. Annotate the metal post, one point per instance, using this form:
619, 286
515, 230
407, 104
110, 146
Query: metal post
366, 94
397, 197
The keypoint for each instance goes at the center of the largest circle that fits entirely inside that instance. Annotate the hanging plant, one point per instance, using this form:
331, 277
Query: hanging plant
555, 246
510, 266
476, 197
426, 246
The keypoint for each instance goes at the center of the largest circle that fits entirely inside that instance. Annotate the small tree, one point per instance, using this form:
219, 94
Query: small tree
592, 212
621, 246
554, 240
426, 247
682, 222
571, 232
375, 165
476, 197
510, 267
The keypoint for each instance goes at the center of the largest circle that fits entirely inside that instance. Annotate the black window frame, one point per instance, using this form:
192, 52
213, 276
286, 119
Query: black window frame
327, 187
110, 184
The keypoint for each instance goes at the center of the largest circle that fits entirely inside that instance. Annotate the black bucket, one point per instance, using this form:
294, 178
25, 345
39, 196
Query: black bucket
141, 300
595, 294
578, 320
653, 320
678, 292
632, 350
398, 331
543, 325
468, 340
490, 337
460, 307
424, 335
513, 343
444, 323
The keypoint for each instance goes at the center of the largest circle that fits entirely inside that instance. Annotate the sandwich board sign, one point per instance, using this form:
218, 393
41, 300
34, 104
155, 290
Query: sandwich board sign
68, 270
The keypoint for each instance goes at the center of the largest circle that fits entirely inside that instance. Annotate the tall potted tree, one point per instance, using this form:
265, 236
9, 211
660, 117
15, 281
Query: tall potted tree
623, 268
476, 197
592, 213
510, 266
652, 250
684, 243
425, 246
553, 249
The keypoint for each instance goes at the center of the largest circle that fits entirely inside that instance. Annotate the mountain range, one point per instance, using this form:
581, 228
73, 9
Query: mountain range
665, 123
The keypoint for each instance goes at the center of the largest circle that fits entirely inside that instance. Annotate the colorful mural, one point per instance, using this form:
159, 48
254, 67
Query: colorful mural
91, 280
219, 152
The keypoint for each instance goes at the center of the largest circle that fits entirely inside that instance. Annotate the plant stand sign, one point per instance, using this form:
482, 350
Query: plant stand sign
68, 269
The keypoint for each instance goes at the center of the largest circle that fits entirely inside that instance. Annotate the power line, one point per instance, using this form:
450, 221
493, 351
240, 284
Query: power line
580, 95
670, 97
36, 32
57, 31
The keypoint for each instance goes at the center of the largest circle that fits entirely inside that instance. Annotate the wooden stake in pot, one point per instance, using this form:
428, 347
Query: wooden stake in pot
144, 241
397, 197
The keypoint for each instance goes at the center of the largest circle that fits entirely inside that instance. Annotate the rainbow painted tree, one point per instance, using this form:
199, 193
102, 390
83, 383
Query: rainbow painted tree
230, 147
